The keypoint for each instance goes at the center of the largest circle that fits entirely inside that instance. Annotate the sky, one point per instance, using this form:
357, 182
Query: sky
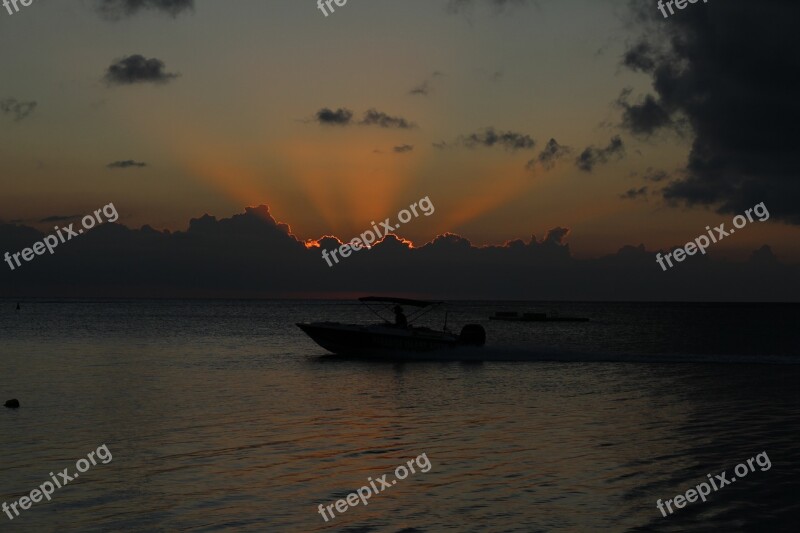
176, 109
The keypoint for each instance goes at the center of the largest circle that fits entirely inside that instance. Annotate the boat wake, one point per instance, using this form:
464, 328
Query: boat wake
522, 354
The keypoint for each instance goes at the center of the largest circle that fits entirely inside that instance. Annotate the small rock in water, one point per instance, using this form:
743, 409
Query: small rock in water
12, 404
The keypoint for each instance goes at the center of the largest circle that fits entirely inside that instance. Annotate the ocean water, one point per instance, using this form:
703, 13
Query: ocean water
223, 416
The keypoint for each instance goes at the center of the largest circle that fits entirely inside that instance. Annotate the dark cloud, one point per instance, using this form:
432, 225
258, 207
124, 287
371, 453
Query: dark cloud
373, 117
592, 156
551, 153
138, 69
423, 89
128, 163
490, 137
441, 145
632, 194
340, 117
730, 71
403, 148
115, 9
18, 110
645, 117
640, 57
253, 255
426, 87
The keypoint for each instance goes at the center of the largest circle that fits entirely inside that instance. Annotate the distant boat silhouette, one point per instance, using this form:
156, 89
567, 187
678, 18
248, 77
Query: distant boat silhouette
511, 316
388, 338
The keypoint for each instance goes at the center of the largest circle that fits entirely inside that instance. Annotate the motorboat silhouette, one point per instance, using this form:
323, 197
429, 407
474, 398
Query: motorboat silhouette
388, 337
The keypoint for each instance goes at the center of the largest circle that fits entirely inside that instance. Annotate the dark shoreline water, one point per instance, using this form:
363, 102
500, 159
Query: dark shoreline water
221, 415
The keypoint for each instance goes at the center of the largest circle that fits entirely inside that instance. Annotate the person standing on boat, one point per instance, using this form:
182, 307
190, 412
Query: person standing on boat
400, 319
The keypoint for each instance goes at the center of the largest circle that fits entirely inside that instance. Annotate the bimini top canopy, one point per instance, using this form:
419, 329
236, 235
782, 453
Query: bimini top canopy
398, 301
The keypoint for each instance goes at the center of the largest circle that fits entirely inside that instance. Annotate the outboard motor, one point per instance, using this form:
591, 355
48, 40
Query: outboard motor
472, 335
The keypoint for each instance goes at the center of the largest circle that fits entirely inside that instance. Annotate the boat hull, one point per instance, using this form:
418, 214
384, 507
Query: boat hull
349, 339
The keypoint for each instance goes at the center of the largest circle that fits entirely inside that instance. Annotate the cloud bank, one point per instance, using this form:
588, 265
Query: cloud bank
253, 255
